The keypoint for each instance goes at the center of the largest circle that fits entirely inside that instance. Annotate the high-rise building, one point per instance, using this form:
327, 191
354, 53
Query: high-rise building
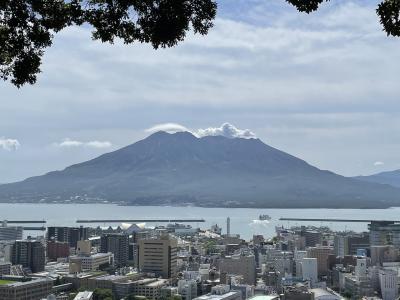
10, 233
388, 284
159, 256
70, 235
312, 238
384, 233
309, 270
349, 244
30, 254
321, 253
118, 244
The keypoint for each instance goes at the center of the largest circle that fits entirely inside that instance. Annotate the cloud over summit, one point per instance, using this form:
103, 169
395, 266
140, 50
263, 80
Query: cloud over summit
226, 129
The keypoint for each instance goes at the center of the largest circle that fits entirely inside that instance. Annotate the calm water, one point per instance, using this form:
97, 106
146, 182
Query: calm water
243, 221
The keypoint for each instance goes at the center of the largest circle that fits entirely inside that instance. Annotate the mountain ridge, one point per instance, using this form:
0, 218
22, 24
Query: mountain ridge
387, 177
216, 171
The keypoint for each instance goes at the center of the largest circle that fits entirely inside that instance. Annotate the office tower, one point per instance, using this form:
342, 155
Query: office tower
388, 284
312, 238
30, 254
159, 256
228, 226
10, 233
70, 235
118, 244
321, 253
309, 269
349, 244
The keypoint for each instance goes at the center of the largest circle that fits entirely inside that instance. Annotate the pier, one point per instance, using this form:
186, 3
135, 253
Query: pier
144, 221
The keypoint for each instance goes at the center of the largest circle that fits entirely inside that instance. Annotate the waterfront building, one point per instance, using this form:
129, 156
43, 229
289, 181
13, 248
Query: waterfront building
70, 235
384, 233
10, 233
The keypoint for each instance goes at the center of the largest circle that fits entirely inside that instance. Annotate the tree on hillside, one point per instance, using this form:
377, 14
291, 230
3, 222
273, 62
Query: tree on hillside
27, 27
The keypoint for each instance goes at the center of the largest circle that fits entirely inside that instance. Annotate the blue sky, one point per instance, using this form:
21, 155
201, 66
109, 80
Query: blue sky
323, 87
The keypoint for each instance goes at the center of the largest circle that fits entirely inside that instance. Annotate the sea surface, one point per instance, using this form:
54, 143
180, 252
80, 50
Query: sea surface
244, 221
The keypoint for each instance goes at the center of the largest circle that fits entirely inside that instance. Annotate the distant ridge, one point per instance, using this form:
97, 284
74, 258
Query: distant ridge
390, 177
213, 171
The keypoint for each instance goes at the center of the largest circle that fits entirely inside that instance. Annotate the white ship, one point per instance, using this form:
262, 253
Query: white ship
264, 218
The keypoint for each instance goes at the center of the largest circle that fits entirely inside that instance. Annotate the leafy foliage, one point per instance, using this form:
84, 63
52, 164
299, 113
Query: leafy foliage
389, 13
27, 27
306, 6
102, 294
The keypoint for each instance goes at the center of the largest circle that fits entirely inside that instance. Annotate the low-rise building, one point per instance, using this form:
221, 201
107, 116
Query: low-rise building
13, 288
79, 263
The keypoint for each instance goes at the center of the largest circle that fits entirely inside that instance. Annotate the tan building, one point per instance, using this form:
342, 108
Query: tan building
321, 253
158, 256
79, 263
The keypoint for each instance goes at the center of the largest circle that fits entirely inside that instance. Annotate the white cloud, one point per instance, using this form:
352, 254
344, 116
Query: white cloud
226, 130
98, 144
9, 144
68, 143
167, 127
378, 163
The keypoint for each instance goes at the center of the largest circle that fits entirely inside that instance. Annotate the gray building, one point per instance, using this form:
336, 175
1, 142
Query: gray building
240, 265
13, 288
118, 244
30, 254
10, 233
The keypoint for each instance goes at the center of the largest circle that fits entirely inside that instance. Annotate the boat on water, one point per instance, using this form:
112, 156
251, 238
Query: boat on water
264, 218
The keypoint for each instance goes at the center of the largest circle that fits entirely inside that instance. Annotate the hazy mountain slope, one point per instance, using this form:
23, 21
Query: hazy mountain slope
390, 177
211, 171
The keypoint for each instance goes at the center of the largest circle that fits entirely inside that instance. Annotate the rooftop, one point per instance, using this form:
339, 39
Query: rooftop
4, 282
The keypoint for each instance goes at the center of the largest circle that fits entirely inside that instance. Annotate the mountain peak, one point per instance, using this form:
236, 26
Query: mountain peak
215, 170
